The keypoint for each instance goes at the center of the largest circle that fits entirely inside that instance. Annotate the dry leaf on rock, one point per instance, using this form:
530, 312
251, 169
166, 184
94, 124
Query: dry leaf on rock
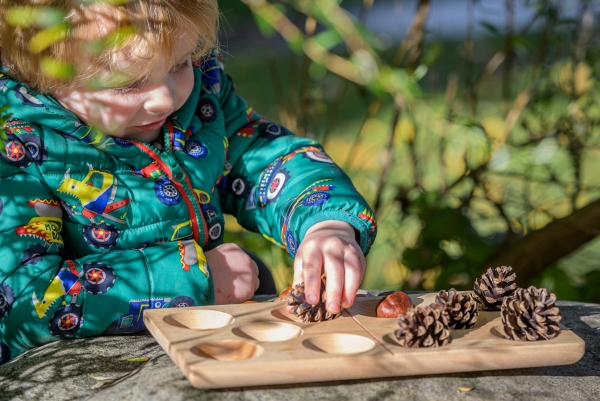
138, 359
102, 380
465, 389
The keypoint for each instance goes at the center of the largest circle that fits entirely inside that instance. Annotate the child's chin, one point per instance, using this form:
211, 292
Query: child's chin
140, 136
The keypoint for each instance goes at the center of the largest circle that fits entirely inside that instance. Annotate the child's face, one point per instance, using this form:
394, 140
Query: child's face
139, 109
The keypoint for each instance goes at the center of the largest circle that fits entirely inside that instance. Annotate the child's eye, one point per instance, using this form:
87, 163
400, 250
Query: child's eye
123, 91
179, 67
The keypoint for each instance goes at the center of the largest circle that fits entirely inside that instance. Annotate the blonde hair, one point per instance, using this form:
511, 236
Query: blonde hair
93, 31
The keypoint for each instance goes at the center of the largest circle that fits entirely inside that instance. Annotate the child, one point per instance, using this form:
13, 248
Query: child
115, 179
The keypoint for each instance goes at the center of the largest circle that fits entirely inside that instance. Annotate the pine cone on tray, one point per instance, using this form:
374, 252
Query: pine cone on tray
460, 307
424, 327
494, 286
530, 314
304, 310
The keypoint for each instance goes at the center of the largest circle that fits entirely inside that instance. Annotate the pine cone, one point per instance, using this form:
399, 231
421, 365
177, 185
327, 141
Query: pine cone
493, 286
306, 311
424, 327
530, 314
460, 307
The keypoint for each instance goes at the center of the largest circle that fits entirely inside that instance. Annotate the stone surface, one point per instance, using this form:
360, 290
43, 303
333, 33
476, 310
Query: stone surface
60, 371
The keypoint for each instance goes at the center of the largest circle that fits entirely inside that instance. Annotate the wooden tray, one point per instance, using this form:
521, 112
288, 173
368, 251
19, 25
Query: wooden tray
261, 344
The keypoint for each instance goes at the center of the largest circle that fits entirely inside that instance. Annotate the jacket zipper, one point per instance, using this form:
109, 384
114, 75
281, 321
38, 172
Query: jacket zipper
185, 189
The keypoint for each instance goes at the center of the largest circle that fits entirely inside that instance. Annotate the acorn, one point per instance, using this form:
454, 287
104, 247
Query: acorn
394, 304
284, 295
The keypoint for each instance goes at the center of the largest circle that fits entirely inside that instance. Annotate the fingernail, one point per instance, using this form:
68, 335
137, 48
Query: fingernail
347, 303
334, 307
312, 299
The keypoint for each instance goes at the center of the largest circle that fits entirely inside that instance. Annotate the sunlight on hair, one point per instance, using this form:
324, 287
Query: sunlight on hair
85, 38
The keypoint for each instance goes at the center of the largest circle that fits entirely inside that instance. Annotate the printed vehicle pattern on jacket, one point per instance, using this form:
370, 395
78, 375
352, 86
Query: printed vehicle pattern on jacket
314, 195
191, 254
97, 278
96, 197
164, 188
47, 226
96, 194
133, 321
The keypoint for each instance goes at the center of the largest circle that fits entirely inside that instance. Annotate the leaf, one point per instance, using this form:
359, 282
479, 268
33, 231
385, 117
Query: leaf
138, 359
120, 36
102, 380
263, 26
56, 69
47, 37
432, 53
420, 72
465, 389
492, 29
102, 383
328, 39
40, 16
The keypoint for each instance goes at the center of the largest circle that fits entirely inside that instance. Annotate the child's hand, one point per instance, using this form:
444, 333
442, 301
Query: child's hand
235, 275
330, 247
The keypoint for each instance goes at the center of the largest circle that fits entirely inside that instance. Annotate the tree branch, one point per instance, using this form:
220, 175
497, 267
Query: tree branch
532, 254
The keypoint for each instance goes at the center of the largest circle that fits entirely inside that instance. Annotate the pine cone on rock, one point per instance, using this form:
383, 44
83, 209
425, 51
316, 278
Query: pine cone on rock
494, 286
424, 327
530, 314
304, 310
460, 307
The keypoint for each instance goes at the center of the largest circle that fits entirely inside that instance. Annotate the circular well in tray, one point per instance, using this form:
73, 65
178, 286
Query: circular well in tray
268, 331
339, 343
199, 319
228, 350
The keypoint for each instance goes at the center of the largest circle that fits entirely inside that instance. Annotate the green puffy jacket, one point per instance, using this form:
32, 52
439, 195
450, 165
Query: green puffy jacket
94, 229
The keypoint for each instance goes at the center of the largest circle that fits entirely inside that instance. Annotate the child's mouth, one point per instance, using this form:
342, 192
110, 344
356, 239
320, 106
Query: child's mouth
151, 126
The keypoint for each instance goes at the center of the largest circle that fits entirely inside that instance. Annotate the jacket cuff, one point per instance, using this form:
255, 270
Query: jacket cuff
358, 224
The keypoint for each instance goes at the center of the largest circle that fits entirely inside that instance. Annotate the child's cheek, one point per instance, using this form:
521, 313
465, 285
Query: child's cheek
105, 117
183, 87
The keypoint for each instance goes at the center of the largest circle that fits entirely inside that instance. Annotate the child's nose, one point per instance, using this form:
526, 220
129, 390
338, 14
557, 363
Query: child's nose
161, 99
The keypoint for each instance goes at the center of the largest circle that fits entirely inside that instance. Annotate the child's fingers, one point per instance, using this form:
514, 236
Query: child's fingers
298, 276
354, 272
254, 267
255, 279
257, 284
334, 269
311, 275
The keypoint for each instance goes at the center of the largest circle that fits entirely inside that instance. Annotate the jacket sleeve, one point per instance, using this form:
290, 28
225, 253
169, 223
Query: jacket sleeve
45, 296
280, 184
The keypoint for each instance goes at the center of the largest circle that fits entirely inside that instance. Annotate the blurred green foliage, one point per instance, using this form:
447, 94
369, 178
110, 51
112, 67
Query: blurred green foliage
468, 150
482, 144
